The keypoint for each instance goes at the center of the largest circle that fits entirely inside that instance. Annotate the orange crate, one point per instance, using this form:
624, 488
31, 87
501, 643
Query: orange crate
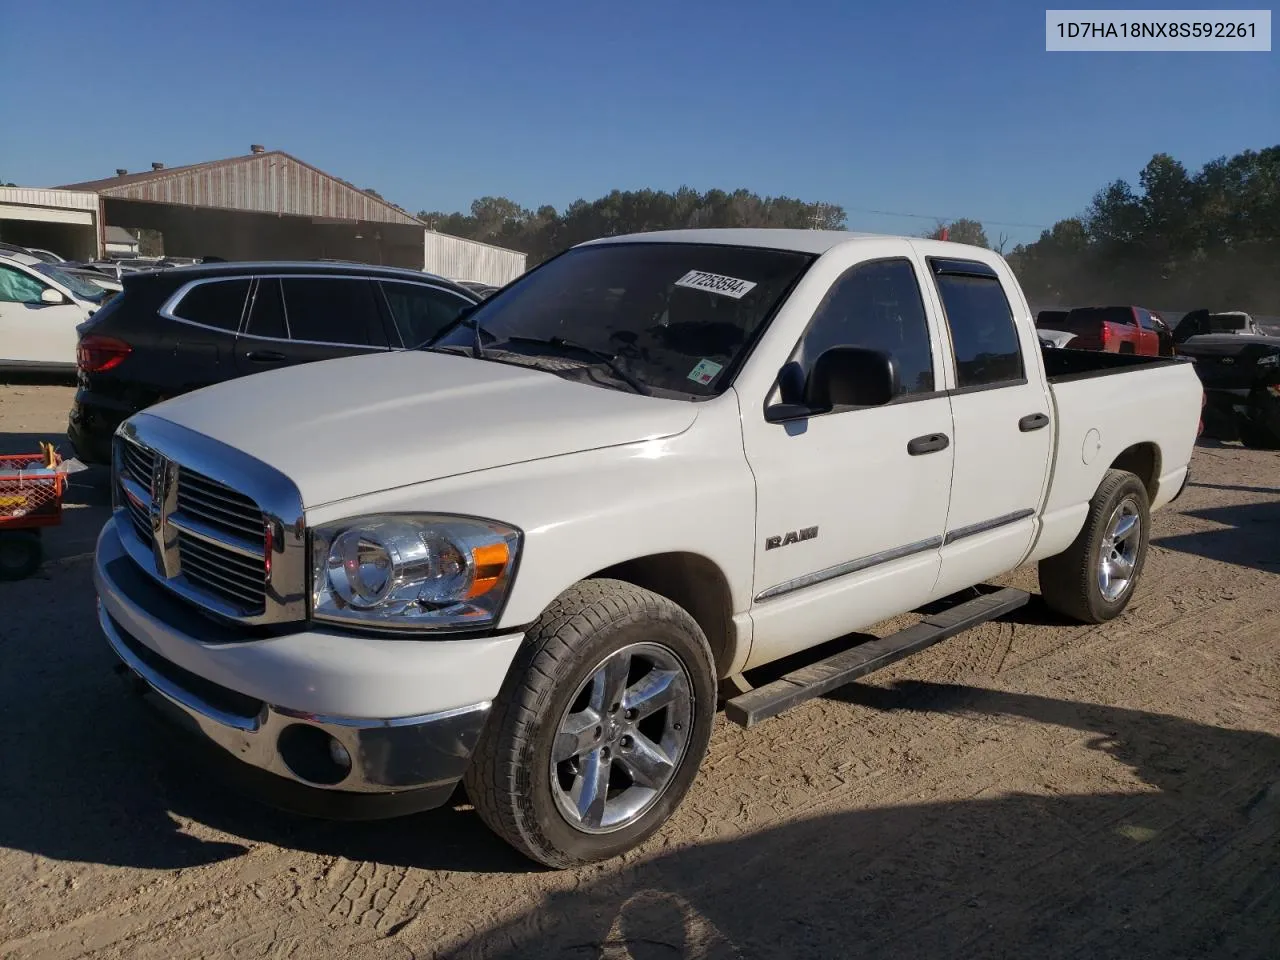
29, 495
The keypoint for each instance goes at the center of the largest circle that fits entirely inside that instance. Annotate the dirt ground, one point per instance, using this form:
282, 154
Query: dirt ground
1029, 789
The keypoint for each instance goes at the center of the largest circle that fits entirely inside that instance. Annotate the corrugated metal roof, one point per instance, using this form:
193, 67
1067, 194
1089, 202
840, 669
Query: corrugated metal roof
44, 197
269, 182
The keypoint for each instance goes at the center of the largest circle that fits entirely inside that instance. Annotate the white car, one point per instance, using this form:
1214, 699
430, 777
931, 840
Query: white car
40, 308
533, 555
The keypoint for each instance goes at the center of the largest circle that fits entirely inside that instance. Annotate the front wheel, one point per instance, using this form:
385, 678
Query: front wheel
1093, 580
599, 728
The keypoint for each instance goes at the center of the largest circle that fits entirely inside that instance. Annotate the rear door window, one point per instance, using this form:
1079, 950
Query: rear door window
266, 313
215, 303
983, 334
333, 310
420, 312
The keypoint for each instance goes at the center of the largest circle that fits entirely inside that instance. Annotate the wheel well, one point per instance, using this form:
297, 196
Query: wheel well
693, 582
1143, 461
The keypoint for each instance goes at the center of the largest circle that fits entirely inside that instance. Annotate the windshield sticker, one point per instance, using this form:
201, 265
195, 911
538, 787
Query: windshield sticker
705, 371
715, 283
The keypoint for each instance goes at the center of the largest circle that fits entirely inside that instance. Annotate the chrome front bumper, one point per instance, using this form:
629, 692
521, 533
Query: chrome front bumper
424, 753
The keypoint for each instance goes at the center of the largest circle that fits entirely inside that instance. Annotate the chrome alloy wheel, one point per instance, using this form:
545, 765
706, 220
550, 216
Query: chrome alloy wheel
1119, 553
622, 737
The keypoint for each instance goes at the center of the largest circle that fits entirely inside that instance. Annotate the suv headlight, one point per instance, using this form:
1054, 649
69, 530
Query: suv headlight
1271, 360
412, 571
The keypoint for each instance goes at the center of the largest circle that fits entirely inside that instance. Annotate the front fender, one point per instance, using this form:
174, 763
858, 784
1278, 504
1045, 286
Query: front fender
583, 512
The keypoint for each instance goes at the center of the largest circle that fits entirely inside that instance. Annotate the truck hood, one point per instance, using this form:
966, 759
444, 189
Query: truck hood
357, 425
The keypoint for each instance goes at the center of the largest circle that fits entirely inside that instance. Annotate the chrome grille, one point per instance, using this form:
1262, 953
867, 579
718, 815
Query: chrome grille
218, 533
221, 541
137, 463
229, 575
219, 506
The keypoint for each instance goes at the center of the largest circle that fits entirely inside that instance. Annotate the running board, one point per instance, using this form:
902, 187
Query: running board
750, 708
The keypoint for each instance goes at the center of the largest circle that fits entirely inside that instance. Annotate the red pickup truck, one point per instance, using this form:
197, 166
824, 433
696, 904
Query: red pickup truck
1114, 330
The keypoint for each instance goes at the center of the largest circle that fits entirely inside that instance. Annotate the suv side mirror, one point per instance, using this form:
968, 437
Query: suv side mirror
51, 297
852, 377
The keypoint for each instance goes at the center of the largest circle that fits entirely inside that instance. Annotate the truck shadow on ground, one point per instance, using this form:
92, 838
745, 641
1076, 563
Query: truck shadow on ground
1183, 866
1247, 535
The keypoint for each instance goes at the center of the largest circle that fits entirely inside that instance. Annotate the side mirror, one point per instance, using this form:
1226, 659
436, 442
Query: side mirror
51, 297
852, 377
841, 377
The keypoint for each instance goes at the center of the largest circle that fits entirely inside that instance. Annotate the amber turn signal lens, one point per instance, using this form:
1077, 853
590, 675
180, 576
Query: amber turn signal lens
490, 561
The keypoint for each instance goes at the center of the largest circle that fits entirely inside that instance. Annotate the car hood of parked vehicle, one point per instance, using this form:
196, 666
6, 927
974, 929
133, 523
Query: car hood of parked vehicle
352, 426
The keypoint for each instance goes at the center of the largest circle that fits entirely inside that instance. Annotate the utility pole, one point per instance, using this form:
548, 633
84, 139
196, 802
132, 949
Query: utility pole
818, 217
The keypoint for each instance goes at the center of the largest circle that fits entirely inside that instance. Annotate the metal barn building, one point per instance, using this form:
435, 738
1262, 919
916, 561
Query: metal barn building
269, 205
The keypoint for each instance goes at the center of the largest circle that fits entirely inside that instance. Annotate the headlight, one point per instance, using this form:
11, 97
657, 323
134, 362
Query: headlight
410, 571
1271, 360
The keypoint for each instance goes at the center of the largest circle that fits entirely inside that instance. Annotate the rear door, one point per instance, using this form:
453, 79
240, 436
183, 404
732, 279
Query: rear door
1001, 411
199, 339
304, 318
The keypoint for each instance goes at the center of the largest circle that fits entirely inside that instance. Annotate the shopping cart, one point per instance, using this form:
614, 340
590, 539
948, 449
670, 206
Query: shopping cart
31, 487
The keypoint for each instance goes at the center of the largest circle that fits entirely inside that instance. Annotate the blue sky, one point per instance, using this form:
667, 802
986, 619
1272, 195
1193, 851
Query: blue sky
939, 109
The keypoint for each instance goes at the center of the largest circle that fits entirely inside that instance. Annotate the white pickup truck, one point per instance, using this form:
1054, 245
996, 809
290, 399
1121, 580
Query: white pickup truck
535, 555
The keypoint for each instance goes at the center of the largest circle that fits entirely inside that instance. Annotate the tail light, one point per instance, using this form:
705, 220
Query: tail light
1106, 334
98, 354
1204, 399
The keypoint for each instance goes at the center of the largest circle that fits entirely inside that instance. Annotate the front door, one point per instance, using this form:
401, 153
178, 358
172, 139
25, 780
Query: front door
850, 511
1003, 425
32, 331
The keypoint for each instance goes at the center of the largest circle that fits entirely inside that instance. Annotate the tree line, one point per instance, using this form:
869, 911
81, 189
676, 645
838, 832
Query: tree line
1180, 239
544, 232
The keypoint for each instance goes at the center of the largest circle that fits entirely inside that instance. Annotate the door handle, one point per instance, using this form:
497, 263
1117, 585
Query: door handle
1033, 421
265, 356
929, 443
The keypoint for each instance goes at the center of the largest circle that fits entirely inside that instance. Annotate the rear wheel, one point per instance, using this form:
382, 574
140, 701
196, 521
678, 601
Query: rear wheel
20, 554
600, 727
1093, 580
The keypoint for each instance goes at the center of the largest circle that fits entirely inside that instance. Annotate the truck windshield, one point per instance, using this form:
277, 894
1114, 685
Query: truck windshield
678, 317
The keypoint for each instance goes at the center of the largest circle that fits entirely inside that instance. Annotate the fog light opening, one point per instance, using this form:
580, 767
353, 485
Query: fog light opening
313, 755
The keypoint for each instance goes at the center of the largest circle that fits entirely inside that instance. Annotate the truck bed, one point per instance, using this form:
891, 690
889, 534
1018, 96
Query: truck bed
1148, 417
1065, 365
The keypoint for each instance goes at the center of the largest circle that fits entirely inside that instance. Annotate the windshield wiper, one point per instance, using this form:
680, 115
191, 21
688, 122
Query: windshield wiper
610, 360
463, 319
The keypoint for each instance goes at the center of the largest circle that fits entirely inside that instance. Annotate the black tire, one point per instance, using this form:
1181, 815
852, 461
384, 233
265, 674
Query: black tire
510, 779
1069, 581
21, 554
1255, 436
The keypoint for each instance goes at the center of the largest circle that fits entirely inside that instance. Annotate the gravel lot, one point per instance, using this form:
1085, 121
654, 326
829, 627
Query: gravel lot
1028, 789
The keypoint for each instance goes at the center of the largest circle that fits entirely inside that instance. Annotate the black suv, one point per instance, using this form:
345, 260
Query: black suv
172, 331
